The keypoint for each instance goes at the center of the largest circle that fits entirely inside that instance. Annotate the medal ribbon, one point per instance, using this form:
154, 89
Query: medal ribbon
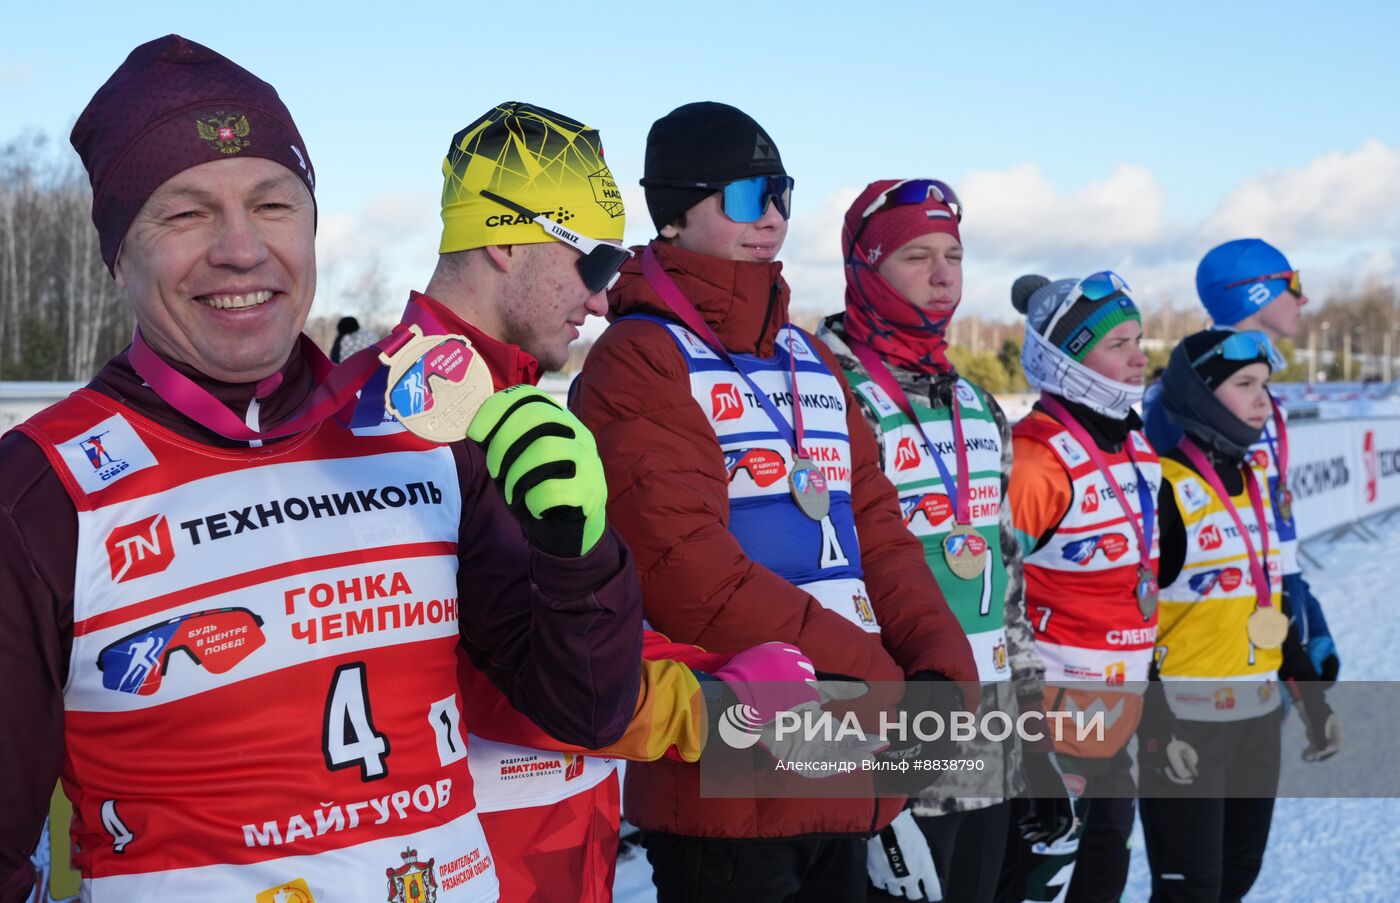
958, 491
1280, 453
335, 387
1142, 529
1259, 572
370, 409
672, 296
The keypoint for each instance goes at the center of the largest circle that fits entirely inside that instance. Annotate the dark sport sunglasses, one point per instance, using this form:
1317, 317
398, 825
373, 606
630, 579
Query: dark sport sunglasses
744, 201
601, 262
1295, 284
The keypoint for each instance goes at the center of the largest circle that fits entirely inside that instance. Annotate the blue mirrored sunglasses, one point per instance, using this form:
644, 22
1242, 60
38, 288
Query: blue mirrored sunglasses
1096, 287
744, 201
1241, 346
916, 191
903, 194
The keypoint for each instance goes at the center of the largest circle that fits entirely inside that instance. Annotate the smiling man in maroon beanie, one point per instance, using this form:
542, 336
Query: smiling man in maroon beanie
234, 621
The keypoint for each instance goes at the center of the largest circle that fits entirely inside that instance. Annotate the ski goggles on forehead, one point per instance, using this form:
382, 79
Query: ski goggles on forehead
601, 262
744, 201
906, 193
1295, 284
1241, 346
915, 191
1101, 286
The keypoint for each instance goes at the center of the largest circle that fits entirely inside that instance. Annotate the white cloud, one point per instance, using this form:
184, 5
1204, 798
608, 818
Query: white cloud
1021, 215
1338, 196
1336, 217
369, 259
812, 253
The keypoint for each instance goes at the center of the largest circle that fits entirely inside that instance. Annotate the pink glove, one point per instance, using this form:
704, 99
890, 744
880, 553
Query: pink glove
771, 678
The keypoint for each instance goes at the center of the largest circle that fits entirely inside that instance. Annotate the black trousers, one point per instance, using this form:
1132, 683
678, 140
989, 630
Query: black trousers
703, 869
967, 850
1210, 849
1095, 862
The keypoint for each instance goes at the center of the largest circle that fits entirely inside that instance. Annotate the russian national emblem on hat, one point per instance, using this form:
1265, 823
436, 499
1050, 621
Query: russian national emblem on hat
226, 133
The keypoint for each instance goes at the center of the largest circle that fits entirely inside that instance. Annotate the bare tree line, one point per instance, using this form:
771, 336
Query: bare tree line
61, 313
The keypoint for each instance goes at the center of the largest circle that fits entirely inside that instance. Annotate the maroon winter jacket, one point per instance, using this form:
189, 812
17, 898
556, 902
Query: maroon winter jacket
669, 500
560, 637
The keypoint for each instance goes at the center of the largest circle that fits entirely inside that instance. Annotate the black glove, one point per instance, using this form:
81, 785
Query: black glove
1050, 813
1323, 727
1162, 751
1330, 665
925, 691
1308, 691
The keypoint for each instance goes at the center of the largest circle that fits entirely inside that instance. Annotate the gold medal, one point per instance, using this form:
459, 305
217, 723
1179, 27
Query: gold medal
1146, 592
1285, 503
808, 487
436, 385
965, 550
1267, 628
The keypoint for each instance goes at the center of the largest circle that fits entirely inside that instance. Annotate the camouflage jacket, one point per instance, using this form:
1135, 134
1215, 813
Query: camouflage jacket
1000, 779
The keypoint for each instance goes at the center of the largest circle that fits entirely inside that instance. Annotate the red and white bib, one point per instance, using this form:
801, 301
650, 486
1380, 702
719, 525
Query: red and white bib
262, 697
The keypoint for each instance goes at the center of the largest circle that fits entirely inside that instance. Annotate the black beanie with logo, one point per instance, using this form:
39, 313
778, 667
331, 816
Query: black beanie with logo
695, 150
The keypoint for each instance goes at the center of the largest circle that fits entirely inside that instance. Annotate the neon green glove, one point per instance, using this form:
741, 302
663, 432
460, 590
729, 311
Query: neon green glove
547, 466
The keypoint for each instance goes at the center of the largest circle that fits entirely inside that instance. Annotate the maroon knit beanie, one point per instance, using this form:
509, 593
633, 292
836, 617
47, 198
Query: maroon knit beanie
172, 105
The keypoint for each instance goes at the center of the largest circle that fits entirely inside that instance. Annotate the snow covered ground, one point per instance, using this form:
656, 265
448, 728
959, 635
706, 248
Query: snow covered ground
1320, 850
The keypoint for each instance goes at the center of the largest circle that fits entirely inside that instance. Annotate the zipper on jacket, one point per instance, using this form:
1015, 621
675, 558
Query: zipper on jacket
767, 315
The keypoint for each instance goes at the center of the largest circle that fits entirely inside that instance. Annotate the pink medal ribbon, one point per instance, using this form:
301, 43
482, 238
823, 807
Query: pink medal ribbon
1258, 571
957, 488
1142, 524
808, 484
336, 387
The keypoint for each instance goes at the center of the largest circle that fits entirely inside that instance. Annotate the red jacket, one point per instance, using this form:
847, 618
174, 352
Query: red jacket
668, 497
670, 717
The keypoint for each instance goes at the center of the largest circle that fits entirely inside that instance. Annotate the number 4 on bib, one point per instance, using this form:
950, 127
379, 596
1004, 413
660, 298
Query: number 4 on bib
349, 738
833, 556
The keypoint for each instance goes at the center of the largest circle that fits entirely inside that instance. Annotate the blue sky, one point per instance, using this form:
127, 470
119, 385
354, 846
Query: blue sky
1080, 136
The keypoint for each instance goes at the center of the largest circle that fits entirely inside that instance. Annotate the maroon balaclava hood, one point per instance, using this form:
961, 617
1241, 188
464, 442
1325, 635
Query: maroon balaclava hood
172, 105
876, 314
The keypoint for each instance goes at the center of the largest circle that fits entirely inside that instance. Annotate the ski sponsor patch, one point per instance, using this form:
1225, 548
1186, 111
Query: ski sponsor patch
109, 452
882, 403
1193, 495
1228, 579
967, 398
1069, 450
1082, 551
763, 465
933, 506
906, 454
791, 338
140, 548
693, 344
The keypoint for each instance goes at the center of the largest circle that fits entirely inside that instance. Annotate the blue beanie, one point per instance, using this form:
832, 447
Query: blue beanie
1243, 258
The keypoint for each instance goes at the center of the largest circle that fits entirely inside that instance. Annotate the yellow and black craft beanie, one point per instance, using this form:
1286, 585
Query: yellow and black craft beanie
545, 162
